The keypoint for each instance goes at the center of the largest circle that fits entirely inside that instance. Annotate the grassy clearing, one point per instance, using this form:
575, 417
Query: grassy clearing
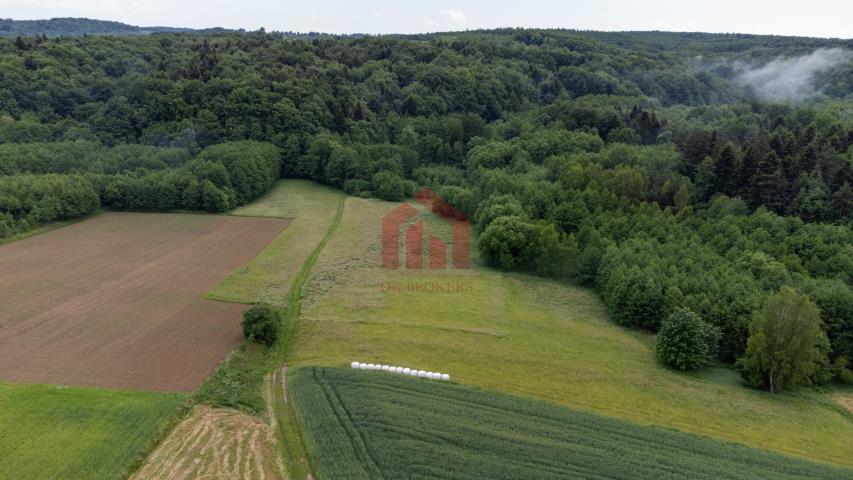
269, 277
536, 338
362, 425
54, 432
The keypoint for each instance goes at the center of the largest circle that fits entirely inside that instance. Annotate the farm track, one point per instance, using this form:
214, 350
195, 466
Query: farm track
191, 448
283, 410
116, 301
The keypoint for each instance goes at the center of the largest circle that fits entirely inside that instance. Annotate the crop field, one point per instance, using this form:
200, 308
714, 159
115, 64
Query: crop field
116, 300
537, 338
51, 432
268, 277
216, 443
363, 425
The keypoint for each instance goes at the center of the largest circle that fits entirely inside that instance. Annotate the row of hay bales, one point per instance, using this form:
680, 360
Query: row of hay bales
401, 370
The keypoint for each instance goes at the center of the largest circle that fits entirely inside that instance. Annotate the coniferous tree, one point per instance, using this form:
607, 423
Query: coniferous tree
726, 171
768, 186
841, 204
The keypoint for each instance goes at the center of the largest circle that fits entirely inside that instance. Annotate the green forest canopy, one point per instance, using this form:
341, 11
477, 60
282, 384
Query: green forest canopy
645, 164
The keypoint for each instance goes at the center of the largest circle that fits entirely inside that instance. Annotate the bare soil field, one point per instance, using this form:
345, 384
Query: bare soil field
116, 301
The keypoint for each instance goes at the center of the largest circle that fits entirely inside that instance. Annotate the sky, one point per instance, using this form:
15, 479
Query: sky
819, 18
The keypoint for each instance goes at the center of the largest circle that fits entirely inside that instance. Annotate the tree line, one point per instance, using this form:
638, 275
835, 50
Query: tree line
609, 160
219, 178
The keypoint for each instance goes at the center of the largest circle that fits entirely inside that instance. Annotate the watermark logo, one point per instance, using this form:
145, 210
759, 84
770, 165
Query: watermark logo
416, 238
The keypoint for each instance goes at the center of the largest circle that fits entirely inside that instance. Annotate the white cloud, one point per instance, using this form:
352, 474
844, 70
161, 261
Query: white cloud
453, 16
790, 78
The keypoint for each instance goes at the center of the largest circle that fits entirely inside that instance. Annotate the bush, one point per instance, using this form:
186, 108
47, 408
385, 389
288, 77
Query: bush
681, 341
261, 324
505, 243
388, 186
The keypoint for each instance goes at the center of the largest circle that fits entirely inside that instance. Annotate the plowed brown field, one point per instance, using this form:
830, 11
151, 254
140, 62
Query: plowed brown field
116, 301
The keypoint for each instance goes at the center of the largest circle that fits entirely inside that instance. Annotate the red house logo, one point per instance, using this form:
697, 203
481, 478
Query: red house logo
395, 220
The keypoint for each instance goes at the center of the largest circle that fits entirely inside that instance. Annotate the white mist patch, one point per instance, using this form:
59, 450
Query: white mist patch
790, 78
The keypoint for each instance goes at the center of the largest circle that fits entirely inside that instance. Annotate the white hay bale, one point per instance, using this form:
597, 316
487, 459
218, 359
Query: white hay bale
362, 366
354, 365
421, 374
429, 375
445, 377
407, 371
436, 376
384, 368
371, 366
398, 370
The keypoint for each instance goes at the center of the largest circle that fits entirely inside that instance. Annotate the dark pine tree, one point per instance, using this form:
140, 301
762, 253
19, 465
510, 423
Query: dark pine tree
768, 186
726, 171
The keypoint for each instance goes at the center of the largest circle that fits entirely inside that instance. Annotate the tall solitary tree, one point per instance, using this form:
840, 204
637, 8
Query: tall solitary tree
786, 345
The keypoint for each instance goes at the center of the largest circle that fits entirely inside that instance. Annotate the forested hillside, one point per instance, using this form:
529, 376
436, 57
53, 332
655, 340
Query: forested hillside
76, 26
669, 171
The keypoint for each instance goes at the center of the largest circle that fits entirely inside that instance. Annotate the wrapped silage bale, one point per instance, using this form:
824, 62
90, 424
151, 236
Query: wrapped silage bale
436, 376
421, 373
354, 365
428, 375
398, 370
384, 368
371, 366
445, 377
407, 371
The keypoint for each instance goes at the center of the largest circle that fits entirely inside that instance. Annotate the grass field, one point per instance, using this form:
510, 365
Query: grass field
270, 275
537, 338
366, 425
51, 432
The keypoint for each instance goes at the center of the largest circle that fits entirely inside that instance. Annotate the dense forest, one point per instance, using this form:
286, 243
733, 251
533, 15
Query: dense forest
688, 174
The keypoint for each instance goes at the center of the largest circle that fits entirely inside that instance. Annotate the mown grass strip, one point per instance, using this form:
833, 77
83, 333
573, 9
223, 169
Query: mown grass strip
295, 456
239, 381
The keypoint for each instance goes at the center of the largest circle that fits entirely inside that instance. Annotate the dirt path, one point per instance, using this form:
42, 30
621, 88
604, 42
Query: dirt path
216, 443
845, 401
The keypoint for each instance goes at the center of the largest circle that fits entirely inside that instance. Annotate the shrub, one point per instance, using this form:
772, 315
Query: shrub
505, 243
681, 342
388, 186
261, 324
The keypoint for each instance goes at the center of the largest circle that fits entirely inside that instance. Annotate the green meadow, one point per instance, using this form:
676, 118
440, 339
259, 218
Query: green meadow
56, 432
537, 338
